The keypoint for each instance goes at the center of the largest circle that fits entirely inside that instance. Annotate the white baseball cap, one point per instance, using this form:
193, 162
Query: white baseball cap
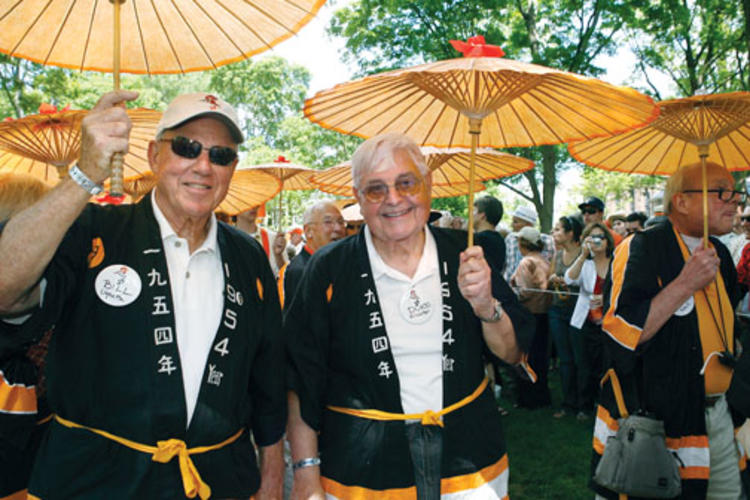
187, 107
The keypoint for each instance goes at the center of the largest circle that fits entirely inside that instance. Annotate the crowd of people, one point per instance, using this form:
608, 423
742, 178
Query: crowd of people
157, 350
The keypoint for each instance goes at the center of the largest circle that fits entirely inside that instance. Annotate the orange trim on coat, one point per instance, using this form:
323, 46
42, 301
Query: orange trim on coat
616, 327
17, 398
475, 479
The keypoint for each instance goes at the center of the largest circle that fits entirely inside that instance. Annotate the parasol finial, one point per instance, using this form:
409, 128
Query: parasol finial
281, 159
476, 47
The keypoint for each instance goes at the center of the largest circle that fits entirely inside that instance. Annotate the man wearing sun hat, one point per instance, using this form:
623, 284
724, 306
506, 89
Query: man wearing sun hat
523, 216
136, 416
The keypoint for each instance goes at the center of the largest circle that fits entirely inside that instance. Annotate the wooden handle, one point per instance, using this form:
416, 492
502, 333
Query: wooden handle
115, 181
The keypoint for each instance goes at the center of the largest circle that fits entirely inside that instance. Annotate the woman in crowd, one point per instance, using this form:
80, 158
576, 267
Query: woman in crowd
567, 236
588, 272
531, 275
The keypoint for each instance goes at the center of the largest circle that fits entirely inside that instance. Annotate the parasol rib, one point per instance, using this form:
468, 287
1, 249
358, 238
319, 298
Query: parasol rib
88, 35
192, 32
139, 28
166, 35
221, 28
31, 25
59, 30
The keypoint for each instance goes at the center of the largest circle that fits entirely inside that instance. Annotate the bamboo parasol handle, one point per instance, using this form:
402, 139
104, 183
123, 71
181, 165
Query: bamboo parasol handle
475, 128
116, 163
703, 153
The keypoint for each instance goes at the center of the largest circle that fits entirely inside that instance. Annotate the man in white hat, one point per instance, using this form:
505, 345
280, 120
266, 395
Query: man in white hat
165, 356
523, 216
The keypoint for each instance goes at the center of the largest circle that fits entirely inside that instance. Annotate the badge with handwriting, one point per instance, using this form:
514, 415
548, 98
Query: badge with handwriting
118, 285
414, 308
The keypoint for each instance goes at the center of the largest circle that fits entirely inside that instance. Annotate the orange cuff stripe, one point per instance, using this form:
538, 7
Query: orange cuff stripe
620, 330
16, 398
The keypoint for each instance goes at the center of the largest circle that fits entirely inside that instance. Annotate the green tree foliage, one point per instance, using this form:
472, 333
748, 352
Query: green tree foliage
701, 44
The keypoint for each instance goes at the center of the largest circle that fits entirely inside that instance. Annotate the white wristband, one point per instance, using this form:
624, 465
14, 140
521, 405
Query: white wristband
82, 180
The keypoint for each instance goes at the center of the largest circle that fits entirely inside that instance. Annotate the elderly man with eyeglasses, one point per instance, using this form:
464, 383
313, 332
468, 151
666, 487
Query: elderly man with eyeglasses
670, 339
322, 224
166, 354
386, 338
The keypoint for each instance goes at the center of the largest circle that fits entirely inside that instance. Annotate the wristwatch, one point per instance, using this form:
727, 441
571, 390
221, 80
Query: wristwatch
82, 180
496, 315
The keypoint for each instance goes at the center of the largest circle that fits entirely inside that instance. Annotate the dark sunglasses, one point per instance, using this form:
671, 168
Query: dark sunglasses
405, 186
725, 195
589, 210
188, 148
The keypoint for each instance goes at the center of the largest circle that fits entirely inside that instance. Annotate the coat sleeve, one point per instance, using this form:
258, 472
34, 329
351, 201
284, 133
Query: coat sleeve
634, 283
306, 336
267, 390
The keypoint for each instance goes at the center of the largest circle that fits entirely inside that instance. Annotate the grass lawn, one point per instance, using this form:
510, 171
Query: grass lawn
549, 458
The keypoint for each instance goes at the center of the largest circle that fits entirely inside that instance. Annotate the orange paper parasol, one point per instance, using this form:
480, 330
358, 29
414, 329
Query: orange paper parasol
497, 102
715, 127
46, 144
293, 177
147, 36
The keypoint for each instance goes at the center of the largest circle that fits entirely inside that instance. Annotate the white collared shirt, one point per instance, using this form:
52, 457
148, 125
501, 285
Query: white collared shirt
197, 284
417, 348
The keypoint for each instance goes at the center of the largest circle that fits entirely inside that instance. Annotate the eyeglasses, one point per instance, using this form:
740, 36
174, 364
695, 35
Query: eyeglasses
725, 195
330, 221
188, 148
589, 210
405, 186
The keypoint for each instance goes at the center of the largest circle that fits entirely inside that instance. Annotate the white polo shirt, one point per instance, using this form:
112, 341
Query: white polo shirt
416, 338
197, 284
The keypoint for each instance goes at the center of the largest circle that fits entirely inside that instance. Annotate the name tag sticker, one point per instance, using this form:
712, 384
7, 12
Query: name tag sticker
686, 307
118, 285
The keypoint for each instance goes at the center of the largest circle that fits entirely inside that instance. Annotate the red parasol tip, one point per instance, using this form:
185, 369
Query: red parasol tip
46, 108
475, 47
112, 200
281, 159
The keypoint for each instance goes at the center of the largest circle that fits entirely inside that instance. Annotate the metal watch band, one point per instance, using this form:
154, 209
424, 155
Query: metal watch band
306, 462
82, 180
496, 315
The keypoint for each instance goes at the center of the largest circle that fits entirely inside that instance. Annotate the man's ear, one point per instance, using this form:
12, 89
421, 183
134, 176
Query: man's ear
153, 152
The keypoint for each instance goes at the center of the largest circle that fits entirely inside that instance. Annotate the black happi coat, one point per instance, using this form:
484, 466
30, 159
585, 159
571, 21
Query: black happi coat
339, 354
118, 368
661, 376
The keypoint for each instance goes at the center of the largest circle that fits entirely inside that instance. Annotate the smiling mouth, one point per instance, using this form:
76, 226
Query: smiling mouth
398, 213
196, 186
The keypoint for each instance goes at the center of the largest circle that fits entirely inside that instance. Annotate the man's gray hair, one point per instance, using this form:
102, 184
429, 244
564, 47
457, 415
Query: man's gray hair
313, 210
382, 147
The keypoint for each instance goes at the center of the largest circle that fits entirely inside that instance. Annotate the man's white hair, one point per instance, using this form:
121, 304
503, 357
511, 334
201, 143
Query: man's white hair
312, 211
375, 150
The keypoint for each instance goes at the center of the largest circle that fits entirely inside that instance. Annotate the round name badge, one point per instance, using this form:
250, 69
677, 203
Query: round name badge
117, 285
415, 309
686, 307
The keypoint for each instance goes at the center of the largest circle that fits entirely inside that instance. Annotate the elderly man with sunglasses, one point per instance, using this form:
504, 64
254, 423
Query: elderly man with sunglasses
670, 337
386, 339
166, 356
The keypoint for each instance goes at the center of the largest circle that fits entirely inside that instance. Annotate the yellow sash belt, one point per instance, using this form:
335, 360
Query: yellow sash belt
427, 418
164, 451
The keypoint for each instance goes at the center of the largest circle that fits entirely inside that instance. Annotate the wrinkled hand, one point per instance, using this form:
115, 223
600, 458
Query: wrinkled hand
105, 131
475, 281
700, 269
596, 301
